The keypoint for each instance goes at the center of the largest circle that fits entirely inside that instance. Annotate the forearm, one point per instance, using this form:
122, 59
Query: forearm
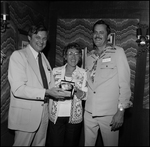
124, 81
29, 92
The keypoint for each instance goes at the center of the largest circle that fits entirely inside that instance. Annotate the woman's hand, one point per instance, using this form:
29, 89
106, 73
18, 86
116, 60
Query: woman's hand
79, 93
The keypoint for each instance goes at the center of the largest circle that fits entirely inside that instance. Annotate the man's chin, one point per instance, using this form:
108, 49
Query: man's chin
98, 44
40, 48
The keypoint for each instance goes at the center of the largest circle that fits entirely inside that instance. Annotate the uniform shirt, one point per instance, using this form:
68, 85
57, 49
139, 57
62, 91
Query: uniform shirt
111, 86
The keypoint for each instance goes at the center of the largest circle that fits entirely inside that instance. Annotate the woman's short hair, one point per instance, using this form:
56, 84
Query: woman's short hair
71, 46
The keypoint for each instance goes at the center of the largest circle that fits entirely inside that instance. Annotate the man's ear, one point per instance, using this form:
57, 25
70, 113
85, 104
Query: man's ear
29, 38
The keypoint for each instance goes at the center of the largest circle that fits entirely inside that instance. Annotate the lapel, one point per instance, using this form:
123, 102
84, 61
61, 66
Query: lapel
63, 72
88, 78
33, 64
98, 80
90, 84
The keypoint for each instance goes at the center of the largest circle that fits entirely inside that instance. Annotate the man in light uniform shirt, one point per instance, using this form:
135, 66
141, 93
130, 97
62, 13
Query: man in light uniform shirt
108, 88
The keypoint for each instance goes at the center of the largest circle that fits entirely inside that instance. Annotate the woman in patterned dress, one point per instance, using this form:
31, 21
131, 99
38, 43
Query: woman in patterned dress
66, 115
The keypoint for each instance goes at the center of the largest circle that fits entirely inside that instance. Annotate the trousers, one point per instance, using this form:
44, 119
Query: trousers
37, 138
63, 133
91, 126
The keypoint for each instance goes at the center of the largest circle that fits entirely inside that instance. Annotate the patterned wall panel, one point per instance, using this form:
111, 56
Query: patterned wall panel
146, 88
80, 30
24, 16
8, 45
21, 17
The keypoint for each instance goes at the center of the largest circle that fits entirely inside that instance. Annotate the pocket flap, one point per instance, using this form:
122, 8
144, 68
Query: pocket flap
21, 104
107, 65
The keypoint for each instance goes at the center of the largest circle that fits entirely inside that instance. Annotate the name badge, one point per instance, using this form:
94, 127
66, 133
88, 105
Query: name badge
106, 60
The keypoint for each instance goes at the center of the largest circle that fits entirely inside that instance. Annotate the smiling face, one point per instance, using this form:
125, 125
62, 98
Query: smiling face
38, 41
100, 35
72, 56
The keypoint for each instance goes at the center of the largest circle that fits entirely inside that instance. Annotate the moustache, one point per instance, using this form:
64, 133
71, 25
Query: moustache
97, 38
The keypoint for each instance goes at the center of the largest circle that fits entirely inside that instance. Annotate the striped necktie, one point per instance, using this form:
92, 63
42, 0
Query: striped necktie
42, 71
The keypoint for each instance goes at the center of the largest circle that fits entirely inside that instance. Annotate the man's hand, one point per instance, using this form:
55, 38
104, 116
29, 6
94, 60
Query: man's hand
117, 120
56, 93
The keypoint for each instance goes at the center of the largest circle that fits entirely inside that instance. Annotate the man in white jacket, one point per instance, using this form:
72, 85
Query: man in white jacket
109, 91
28, 110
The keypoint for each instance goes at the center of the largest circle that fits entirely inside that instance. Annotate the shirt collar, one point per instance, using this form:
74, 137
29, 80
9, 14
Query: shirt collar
76, 69
96, 55
35, 53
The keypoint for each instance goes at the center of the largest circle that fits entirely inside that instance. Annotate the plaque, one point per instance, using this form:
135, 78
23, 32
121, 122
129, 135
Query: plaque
68, 86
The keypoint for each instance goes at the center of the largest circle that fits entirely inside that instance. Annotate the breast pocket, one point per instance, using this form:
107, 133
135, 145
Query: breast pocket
107, 70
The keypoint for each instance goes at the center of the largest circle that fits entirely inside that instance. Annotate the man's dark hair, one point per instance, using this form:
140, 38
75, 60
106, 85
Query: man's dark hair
35, 29
102, 22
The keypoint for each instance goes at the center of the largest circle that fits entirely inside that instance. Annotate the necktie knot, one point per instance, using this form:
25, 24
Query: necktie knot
39, 55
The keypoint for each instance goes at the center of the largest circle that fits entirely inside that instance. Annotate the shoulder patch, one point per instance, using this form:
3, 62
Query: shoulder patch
110, 51
111, 48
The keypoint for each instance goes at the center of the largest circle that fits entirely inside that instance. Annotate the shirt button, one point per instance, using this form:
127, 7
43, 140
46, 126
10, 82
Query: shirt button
94, 92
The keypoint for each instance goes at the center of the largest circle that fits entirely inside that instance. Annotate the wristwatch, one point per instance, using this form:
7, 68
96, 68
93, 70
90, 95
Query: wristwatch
120, 107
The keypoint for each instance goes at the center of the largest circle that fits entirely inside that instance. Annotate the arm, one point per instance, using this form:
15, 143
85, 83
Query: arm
24, 83
56, 93
80, 94
124, 80
124, 86
82, 89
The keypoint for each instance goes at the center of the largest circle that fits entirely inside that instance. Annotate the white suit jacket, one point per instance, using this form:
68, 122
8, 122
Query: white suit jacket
27, 92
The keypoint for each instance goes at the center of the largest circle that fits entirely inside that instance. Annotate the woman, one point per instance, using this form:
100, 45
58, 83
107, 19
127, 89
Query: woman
66, 115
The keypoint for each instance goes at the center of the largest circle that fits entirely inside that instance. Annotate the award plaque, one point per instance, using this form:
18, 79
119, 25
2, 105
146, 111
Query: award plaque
68, 86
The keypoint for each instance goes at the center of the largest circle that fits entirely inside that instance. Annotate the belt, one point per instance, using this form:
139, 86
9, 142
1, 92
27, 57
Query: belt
46, 100
65, 98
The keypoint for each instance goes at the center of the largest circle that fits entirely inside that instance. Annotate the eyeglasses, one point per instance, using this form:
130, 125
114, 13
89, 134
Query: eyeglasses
73, 53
